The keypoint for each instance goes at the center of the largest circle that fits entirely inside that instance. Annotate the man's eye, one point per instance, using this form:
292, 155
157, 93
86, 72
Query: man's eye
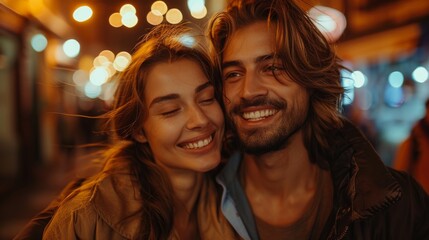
231, 75
273, 68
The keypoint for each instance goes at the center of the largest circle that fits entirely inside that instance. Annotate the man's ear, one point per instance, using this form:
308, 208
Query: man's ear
140, 137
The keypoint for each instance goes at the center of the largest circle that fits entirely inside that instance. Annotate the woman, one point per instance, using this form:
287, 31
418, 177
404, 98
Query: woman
168, 129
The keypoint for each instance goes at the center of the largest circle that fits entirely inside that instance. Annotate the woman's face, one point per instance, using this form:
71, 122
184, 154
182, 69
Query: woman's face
185, 124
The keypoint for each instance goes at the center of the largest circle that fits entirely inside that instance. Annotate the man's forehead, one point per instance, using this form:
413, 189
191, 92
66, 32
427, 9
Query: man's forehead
249, 43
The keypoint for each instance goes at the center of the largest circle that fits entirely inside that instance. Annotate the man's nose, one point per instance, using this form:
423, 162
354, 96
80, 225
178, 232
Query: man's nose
252, 86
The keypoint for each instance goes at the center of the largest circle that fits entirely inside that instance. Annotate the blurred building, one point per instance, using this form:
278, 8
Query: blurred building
386, 45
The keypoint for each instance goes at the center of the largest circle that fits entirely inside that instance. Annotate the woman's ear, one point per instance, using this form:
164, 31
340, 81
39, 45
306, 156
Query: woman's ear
140, 136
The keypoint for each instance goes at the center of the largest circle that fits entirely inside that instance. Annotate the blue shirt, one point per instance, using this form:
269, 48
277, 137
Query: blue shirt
234, 204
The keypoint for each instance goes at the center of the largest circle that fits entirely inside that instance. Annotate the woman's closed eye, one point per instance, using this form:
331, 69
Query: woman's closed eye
208, 100
206, 96
169, 112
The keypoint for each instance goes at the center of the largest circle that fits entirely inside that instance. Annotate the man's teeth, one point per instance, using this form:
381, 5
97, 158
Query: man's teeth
199, 144
258, 115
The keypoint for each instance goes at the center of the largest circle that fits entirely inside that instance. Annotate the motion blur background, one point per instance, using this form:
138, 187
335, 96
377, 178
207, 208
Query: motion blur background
61, 58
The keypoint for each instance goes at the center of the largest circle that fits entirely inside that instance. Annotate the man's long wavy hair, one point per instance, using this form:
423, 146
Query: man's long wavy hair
164, 43
308, 57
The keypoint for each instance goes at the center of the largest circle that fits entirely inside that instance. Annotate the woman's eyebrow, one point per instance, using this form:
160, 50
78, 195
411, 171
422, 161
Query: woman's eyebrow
164, 98
173, 96
202, 87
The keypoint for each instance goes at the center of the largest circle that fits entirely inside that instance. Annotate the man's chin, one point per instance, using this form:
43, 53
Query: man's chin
255, 150
260, 147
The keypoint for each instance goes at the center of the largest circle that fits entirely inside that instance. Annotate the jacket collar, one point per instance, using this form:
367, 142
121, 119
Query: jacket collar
363, 184
118, 202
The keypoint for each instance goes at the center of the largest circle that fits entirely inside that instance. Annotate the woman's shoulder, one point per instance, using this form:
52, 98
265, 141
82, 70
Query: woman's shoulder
74, 212
108, 201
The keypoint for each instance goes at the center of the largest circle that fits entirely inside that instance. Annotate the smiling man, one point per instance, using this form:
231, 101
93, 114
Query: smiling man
301, 171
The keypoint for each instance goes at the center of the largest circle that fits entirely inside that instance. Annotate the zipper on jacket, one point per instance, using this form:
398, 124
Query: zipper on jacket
341, 236
340, 214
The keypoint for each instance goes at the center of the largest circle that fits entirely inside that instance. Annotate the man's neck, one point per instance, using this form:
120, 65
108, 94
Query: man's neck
280, 171
280, 184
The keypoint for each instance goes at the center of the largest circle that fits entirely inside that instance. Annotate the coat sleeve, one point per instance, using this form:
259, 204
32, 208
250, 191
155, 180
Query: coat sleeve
76, 219
421, 200
413, 208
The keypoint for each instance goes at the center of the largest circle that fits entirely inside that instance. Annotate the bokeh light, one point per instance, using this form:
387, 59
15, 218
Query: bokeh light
71, 48
91, 90
39, 42
108, 54
154, 19
129, 20
200, 14
359, 79
174, 16
159, 8
396, 79
82, 14
196, 5
122, 61
329, 21
100, 61
127, 9
420, 74
115, 20
98, 76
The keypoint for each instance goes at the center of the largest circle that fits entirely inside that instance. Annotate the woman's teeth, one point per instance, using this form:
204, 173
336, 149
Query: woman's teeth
199, 144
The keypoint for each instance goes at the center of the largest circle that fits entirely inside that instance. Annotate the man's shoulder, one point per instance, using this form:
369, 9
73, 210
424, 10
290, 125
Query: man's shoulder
412, 208
411, 189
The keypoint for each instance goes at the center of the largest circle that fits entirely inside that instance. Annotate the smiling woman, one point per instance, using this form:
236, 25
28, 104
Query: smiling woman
168, 128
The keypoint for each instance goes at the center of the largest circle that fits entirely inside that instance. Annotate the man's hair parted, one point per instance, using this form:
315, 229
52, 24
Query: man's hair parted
307, 56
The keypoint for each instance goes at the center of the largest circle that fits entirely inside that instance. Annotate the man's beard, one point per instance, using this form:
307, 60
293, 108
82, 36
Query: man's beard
273, 137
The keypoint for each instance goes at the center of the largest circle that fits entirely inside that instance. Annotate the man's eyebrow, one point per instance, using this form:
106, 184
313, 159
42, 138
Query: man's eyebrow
265, 58
257, 60
230, 64
176, 96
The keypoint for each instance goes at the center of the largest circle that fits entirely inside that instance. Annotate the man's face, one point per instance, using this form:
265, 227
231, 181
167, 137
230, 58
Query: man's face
265, 106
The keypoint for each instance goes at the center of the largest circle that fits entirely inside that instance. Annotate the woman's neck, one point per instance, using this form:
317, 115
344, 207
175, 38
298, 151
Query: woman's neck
186, 189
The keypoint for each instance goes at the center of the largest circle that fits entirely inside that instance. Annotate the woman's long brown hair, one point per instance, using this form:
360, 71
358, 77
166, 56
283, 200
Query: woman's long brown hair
164, 43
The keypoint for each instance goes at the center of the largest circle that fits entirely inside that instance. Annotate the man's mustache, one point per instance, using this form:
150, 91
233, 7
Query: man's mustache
258, 101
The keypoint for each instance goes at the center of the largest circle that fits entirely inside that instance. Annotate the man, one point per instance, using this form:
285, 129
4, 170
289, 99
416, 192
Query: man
412, 155
303, 172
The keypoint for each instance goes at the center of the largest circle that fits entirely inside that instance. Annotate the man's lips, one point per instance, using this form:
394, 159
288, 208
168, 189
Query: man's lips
257, 115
